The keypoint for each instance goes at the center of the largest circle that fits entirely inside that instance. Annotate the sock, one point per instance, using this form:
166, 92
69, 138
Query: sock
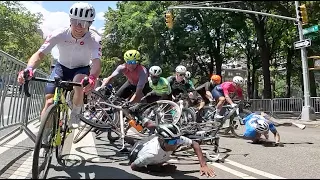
76, 109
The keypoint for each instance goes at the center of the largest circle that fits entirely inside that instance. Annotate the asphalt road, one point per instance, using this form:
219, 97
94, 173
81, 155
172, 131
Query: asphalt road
97, 158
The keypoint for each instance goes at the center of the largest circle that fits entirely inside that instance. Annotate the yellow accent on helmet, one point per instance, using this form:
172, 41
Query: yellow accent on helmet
131, 55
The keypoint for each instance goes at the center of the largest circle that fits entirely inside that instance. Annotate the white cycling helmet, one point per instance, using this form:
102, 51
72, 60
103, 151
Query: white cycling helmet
168, 131
82, 11
262, 126
238, 80
155, 70
188, 74
181, 69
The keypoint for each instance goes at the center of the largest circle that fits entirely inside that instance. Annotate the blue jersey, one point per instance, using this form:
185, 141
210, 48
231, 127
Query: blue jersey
250, 122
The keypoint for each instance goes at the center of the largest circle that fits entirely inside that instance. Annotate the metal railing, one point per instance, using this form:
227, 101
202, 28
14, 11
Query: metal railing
283, 105
15, 107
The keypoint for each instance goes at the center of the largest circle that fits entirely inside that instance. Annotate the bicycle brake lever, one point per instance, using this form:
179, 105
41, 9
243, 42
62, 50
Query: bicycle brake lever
85, 81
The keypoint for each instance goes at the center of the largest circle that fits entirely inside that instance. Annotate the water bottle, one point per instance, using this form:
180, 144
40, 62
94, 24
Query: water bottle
134, 124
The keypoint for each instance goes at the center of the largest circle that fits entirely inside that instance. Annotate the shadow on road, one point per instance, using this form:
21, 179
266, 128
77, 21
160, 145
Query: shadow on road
272, 144
177, 174
78, 169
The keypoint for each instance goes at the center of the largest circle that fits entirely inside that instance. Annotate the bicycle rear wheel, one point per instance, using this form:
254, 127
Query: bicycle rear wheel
48, 123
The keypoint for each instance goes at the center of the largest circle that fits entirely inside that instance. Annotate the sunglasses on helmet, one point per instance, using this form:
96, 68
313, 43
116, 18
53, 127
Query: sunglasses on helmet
83, 23
132, 62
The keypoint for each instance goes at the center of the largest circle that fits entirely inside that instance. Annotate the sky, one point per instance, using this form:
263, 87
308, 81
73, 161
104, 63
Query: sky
55, 15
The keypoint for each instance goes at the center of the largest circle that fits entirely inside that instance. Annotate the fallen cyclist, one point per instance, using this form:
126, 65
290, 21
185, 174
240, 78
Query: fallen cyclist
258, 124
152, 154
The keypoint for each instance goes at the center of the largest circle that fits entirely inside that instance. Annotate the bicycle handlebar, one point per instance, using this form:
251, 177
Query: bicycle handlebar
57, 81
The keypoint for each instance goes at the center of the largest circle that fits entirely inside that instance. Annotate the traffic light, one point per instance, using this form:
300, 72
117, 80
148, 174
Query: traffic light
303, 16
169, 20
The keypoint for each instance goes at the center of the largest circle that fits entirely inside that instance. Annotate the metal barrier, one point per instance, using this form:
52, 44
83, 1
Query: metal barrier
261, 105
283, 105
315, 103
286, 105
15, 107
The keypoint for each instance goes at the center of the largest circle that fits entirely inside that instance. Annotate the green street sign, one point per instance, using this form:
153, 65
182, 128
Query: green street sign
311, 29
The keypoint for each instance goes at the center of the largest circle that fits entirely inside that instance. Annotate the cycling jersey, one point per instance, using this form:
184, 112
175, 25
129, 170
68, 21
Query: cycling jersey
178, 87
191, 83
152, 153
162, 87
138, 77
73, 53
251, 122
229, 87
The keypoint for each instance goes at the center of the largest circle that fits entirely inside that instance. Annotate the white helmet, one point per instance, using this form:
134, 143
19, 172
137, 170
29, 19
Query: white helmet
155, 70
181, 69
82, 11
238, 80
262, 126
188, 74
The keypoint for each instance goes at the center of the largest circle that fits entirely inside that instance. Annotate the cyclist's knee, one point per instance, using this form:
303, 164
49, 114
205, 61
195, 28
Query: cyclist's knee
222, 99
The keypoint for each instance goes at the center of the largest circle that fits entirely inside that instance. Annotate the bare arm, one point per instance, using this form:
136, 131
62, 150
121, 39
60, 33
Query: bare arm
143, 78
114, 74
197, 149
35, 59
95, 68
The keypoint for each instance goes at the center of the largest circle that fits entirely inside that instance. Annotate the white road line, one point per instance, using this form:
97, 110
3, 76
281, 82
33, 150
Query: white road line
253, 170
232, 171
87, 147
21, 137
23, 170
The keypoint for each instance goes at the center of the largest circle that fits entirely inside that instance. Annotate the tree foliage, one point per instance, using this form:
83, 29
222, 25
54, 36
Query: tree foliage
19, 32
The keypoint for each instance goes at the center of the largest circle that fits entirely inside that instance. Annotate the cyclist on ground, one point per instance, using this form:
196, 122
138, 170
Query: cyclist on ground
77, 46
160, 86
136, 74
258, 124
205, 89
153, 153
179, 84
222, 93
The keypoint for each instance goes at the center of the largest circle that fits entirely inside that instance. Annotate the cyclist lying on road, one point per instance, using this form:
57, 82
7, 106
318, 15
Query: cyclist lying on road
152, 155
259, 123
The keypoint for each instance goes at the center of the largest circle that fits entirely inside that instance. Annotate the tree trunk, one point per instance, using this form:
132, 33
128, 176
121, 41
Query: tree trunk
313, 87
249, 84
264, 54
290, 53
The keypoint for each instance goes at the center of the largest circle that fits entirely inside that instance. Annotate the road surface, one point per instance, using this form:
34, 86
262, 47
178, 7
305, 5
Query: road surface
97, 158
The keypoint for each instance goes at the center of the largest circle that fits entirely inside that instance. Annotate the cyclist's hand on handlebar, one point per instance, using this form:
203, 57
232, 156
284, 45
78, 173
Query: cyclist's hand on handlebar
21, 75
90, 84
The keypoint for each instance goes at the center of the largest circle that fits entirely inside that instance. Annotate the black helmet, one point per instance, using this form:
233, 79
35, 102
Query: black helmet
168, 131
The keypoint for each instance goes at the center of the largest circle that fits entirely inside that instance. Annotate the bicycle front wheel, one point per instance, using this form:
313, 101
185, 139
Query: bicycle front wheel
83, 131
164, 110
44, 143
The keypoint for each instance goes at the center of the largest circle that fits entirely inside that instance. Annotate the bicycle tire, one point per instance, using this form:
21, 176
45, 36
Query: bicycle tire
45, 118
79, 136
232, 125
178, 112
188, 112
204, 109
63, 131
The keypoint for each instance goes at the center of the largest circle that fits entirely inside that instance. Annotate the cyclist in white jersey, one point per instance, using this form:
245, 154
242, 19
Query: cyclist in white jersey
77, 46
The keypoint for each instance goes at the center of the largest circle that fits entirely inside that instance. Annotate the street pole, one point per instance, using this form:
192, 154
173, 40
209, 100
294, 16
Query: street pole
306, 109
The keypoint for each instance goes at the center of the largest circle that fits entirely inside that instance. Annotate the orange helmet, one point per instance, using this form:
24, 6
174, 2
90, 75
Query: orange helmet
216, 79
